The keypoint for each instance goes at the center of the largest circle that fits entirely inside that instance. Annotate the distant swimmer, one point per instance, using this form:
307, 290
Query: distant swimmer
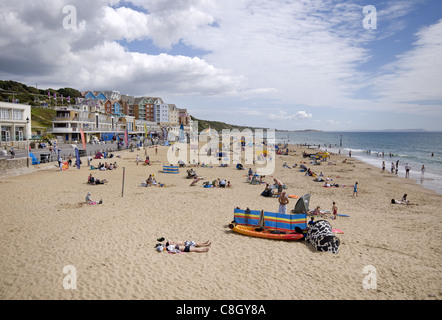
432, 154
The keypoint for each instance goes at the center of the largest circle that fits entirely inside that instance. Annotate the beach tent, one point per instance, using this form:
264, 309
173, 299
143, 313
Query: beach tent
301, 205
99, 155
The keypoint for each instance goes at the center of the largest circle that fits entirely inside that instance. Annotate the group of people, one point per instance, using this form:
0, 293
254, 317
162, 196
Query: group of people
218, 183
151, 181
105, 166
317, 211
403, 200
269, 190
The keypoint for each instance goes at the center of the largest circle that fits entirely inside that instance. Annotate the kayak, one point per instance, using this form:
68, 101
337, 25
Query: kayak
266, 233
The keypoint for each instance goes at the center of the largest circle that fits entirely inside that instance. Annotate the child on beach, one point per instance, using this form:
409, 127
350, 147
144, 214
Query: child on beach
335, 210
355, 189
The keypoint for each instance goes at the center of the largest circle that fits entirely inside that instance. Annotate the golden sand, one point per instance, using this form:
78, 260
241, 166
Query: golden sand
45, 226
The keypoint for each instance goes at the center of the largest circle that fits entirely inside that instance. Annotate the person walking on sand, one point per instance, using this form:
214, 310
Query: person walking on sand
335, 210
422, 170
138, 159
283, 201
392, 167
355, 189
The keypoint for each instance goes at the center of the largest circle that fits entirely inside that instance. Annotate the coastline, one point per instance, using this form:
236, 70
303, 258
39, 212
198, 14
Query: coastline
45, 226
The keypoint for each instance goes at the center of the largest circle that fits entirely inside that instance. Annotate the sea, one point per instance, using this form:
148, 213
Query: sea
415, 148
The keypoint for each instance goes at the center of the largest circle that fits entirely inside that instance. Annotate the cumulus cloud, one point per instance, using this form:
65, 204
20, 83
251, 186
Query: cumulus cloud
284, 116
279, 54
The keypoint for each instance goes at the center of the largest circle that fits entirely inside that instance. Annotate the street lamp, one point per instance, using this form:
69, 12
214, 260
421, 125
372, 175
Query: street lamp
27, 144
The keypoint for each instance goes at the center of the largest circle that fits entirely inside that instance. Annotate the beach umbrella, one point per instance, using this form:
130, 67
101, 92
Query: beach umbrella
301, 205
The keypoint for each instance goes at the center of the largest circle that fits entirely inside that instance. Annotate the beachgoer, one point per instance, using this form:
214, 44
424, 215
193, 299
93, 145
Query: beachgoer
187, 246
383, 166
228, 184
423, 170
335, 210
407, 170
193, 183
90, 201
279, 184
404, 199
392, 167
222, 183
355, 189
317, 211
283, 201
397, 166
267, 191
137, 159
311, 222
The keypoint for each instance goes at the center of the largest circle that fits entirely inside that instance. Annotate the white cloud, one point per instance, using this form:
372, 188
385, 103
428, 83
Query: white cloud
284, 116
280, 55
416, 75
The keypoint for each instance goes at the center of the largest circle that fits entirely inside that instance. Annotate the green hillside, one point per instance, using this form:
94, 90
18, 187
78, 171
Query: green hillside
10, 90
218, 125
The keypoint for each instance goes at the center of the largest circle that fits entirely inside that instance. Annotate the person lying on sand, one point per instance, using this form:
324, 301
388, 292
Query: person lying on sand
402, 201
195, 181
184, 246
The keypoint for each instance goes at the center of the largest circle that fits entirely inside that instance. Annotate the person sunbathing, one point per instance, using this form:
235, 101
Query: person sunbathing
406, 202
194, 182
316, 211
187, 246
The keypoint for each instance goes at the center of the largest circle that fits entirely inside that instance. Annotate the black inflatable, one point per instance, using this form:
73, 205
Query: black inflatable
321, 236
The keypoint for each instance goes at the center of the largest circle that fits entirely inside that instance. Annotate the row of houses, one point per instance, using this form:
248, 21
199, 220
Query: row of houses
151, 109
101, 116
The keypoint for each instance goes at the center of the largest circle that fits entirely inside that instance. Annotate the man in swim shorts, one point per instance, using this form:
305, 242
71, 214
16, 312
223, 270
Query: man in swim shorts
283, 201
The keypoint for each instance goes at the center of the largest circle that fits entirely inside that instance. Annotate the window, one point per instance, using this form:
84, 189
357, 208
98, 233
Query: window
17, 114
5, 114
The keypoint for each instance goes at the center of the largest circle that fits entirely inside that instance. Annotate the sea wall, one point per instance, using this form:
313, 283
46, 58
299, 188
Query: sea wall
7, 165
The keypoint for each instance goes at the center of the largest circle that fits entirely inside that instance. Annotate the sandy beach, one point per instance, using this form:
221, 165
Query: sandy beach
46, 226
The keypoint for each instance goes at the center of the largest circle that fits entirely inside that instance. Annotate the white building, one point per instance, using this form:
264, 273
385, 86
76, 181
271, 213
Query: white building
161, 113
15, 122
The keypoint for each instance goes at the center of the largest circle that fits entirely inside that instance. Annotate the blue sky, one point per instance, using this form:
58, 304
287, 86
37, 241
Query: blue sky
300, 64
